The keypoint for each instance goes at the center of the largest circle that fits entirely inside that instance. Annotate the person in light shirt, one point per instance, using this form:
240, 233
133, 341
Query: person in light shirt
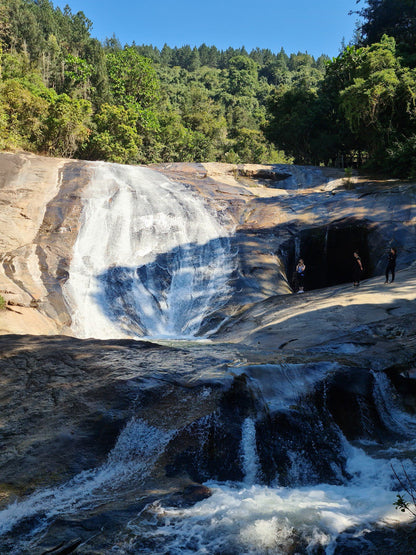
300, 275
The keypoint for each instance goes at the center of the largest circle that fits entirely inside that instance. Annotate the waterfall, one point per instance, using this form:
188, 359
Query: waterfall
249, 456
391, 414
132, 459
150, 259
305, 516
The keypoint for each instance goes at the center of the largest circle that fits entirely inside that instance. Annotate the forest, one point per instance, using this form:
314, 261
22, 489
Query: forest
64, 93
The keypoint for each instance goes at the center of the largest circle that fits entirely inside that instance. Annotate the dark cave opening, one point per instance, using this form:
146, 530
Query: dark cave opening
328, 254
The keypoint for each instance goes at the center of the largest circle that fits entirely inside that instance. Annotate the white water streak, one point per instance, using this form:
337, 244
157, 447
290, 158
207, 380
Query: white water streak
392, 415
249, 455
150, 259
132, 459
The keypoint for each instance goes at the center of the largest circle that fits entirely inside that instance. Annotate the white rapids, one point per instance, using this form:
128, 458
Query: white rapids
150, 258
252, 519
246, 517
130, 461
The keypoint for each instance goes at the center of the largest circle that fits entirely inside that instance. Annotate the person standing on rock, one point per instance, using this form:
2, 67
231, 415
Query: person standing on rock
300, 275
357, 269
391, 265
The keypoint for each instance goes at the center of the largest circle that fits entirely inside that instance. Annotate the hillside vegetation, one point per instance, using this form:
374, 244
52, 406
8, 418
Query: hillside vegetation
64, 93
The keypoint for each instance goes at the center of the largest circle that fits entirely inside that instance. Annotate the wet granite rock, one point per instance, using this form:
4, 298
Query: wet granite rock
306, 211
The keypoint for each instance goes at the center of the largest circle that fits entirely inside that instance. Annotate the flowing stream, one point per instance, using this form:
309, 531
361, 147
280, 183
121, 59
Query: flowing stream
150, 259
138, 447
307, 517
253, 516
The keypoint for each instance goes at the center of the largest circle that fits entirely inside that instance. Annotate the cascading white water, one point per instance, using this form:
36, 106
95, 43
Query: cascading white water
138, 447
257, 519
249, 456
392, 416
150, 259
246, 517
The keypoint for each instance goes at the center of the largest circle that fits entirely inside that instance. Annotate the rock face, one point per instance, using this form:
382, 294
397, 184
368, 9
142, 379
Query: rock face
80, 417
105, 443
312, 212
39, 218
276, 214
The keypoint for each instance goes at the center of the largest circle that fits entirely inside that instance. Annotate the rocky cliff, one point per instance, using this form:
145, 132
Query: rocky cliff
274, 213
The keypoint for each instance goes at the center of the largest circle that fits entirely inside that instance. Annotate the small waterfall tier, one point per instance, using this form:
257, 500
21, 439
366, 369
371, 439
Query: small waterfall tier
150, 259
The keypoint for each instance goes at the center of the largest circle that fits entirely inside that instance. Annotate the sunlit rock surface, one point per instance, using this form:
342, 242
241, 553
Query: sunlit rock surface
273, 214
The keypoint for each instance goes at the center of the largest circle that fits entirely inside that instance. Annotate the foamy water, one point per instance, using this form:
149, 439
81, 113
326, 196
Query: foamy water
259, 520
247, 518
253, 519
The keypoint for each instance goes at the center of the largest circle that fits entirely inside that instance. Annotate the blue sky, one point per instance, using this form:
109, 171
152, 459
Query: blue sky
317, 27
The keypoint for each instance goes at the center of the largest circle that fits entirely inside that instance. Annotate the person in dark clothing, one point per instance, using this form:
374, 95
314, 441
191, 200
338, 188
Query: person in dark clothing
391, 265
357, 269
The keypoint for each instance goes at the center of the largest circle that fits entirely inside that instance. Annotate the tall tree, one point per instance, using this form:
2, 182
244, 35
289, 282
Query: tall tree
369, 101
68, 125
243, 76
291, 123
115, 138
132, 78
396, 18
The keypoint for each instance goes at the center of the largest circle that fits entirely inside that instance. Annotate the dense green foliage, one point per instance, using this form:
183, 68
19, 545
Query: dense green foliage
64, 93
395, 18
364, 110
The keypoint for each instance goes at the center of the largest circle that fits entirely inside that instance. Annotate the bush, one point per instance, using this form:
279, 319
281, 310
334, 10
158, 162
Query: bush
409, 488
401, 158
